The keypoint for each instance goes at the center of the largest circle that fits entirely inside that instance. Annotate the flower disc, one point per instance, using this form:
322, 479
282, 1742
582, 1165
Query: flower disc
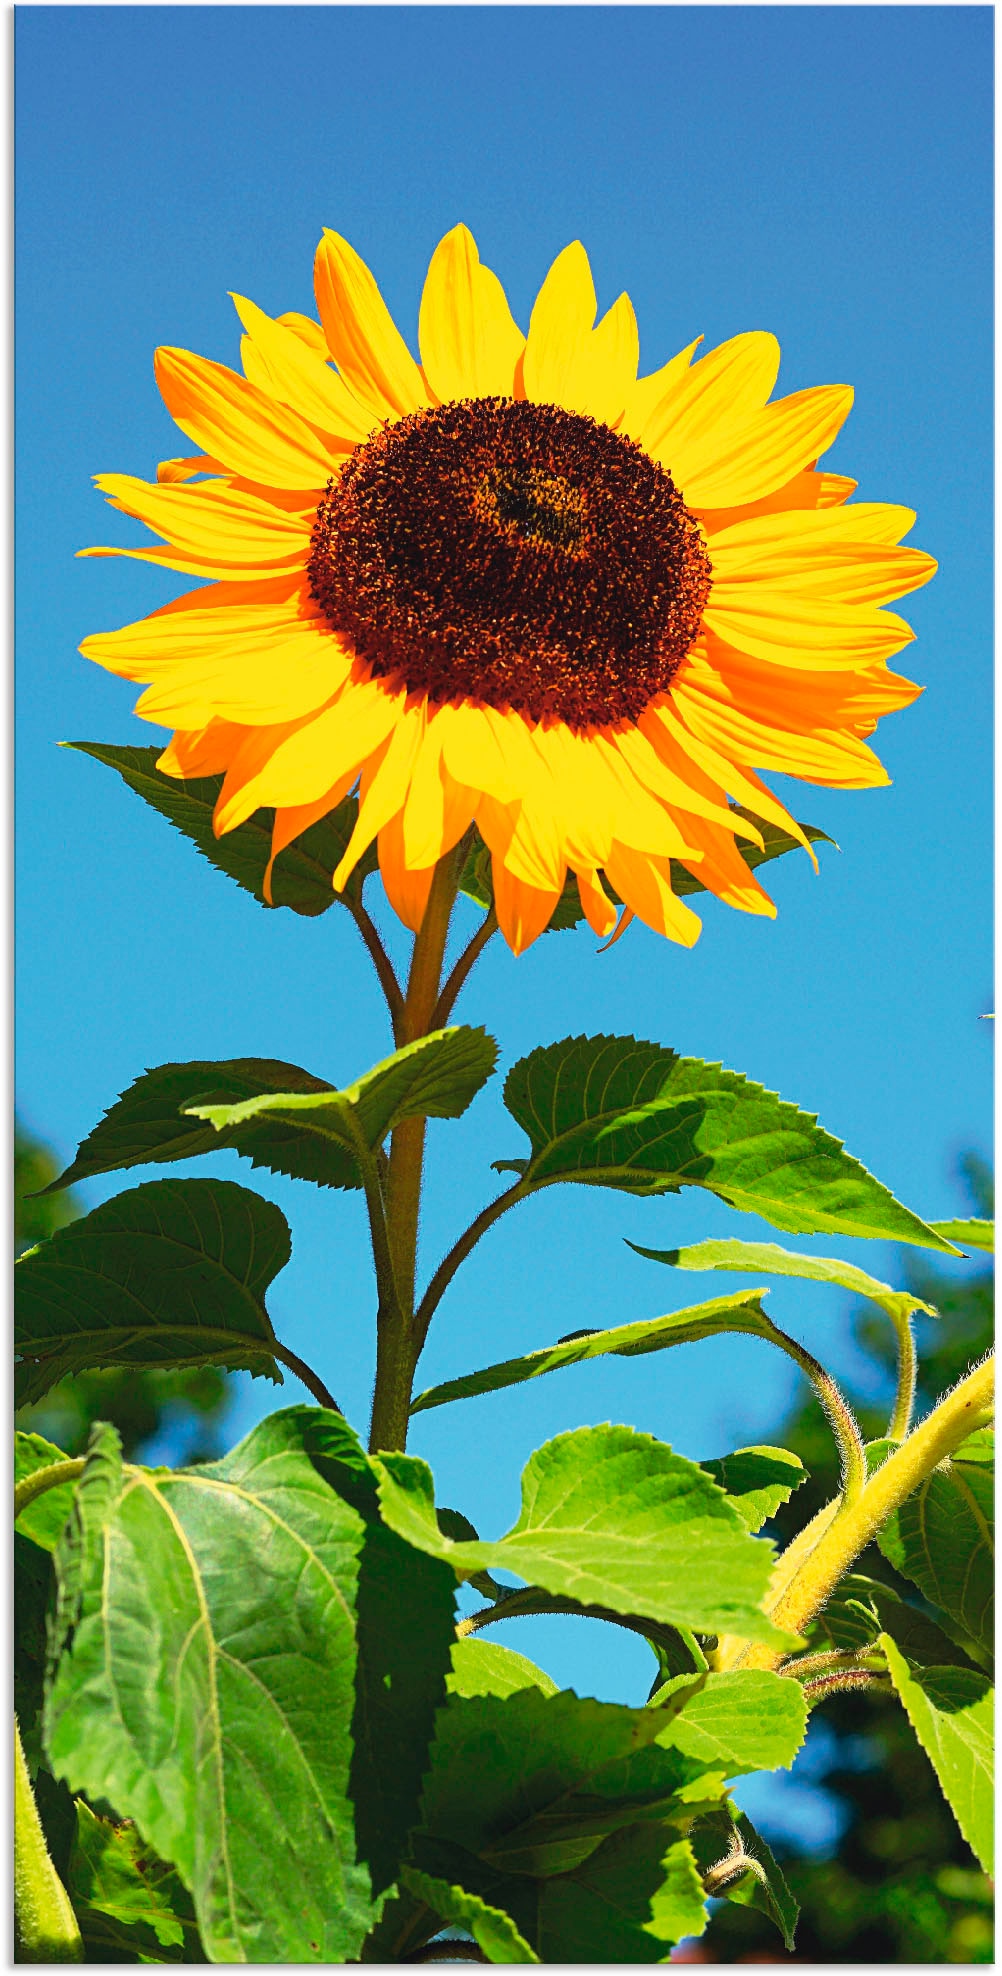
512, 554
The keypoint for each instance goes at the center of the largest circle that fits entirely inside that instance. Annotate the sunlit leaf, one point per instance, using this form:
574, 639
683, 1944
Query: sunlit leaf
482, 1667
43, 1519
614, 1112
150, 1125
943, 1539
758, 1481
436, 1077
768, 1259
495, 1932
193, 1693
971, 1234
611, 1518
130, 1904
951, 1710
741, 1312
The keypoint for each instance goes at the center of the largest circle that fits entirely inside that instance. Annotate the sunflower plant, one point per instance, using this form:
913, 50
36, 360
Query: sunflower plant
514, 623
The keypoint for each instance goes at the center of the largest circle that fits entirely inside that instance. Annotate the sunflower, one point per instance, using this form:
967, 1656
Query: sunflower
515, 586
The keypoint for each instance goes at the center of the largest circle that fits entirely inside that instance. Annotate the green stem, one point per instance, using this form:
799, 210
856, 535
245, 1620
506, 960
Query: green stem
968, 1406
45, 1924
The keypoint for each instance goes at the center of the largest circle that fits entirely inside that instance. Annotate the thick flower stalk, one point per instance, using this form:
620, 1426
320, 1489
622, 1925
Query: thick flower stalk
514, 586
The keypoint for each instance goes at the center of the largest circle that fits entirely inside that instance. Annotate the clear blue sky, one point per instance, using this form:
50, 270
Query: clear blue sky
822, 172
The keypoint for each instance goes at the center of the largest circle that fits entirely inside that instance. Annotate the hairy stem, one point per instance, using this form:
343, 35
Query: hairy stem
466, 962
458, 1253
904, 1398
310, 1379
968, 1406
45, 1924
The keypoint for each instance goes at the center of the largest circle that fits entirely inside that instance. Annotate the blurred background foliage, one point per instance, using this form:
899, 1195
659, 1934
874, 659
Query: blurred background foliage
898, 1884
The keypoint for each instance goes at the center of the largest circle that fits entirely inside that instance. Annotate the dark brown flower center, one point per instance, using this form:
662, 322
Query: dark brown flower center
515, 554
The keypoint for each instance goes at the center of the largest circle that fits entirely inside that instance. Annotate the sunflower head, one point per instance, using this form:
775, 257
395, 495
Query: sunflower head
515, 587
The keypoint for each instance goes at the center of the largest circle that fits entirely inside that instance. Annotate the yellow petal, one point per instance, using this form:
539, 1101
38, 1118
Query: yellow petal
470, 343
645, 884
309, 759
840, 761
524, 911
777, 624
234, 421
299, 377
648, 393
596, 904
724, 388
308, 332
204, 751
562, 318
362, 337
805, 490
210, 519
437, 810
715, 773
406, 890
724, 872
384, 786
290, 824
744, 461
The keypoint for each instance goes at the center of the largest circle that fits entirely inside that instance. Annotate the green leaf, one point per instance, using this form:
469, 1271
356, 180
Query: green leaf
951, 1712
126, 1899
975, 1234
979, 1447
757, 1481
436, 1077
33, 1583
740, 1312
206, 1703
147, 1125
43, 1519
494, 1931
611, 1518
301, 878
712, 1840
170, 1274
748, 1719
405, 1625
481, 1667
942, 1538
769, 1259
614, 1112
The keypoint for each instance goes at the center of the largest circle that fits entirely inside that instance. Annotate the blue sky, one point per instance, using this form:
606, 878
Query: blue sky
820, 172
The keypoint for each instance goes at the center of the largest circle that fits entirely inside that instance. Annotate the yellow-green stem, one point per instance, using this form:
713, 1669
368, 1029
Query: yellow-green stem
45, 1925
969, 1406
396, 1351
